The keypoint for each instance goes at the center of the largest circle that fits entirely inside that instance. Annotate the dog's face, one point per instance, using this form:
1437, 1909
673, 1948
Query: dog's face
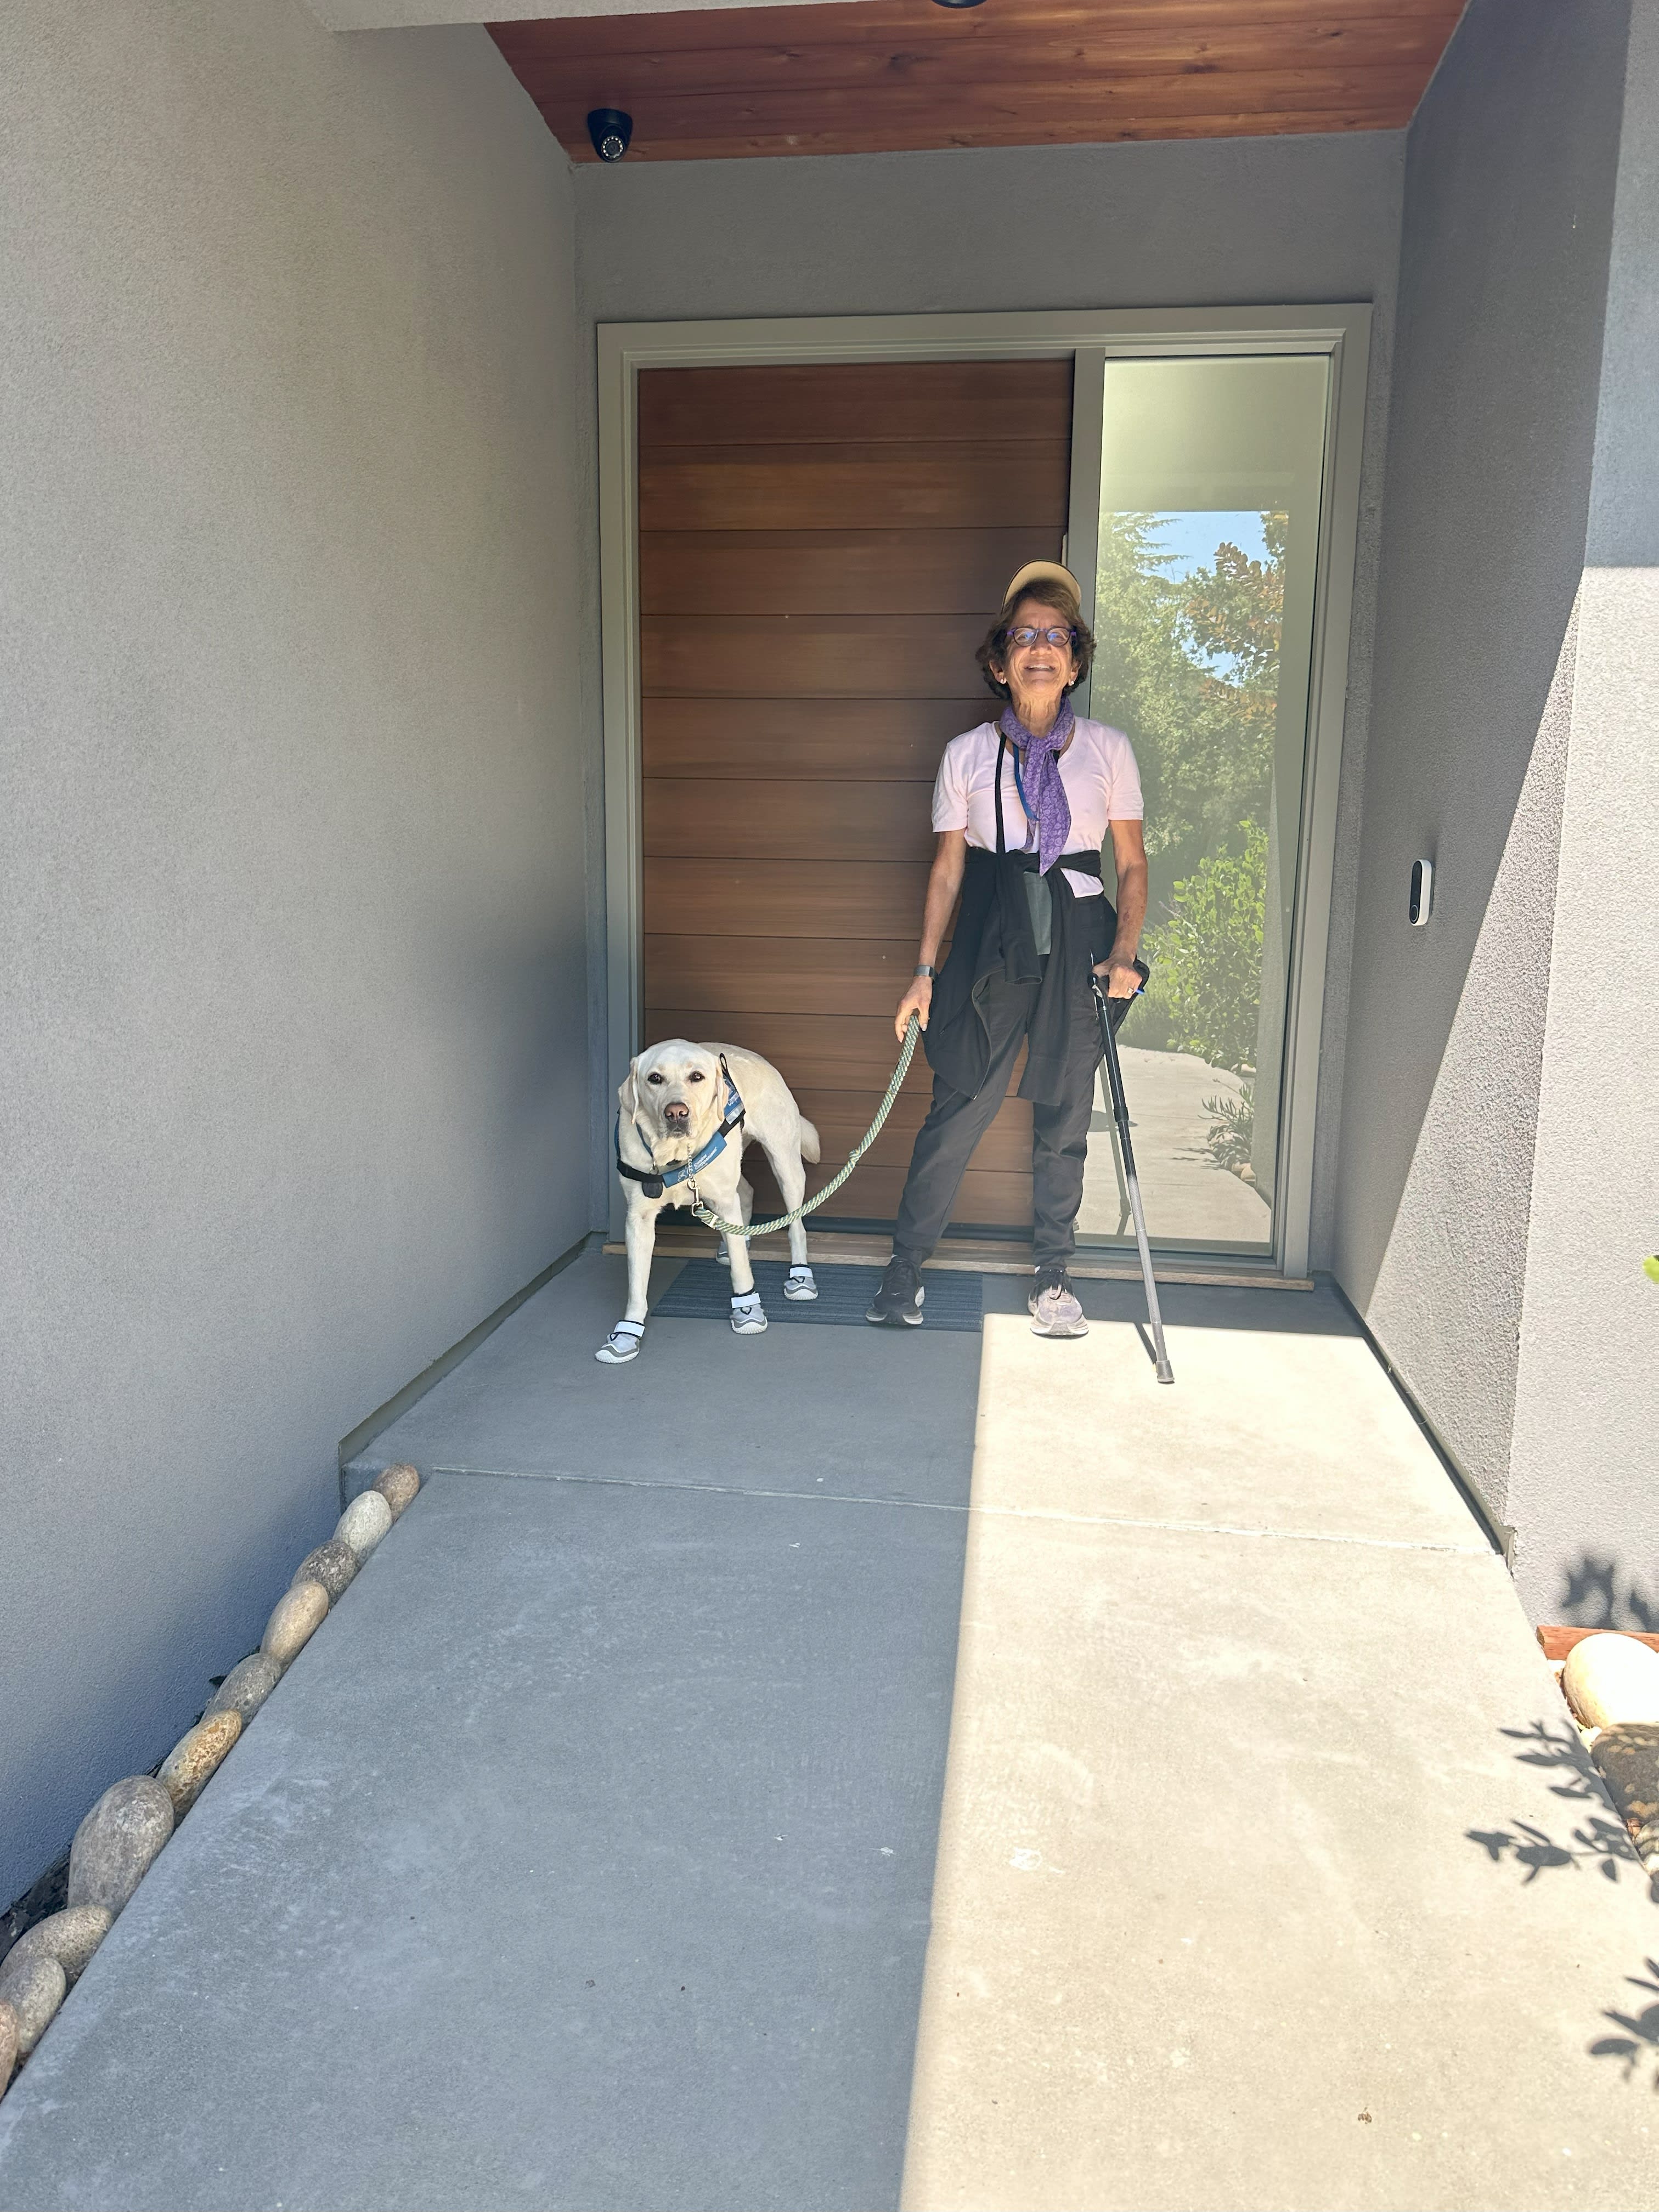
673, 1093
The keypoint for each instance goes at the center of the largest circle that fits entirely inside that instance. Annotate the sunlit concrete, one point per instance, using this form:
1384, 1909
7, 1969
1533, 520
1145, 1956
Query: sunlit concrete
1249, 1734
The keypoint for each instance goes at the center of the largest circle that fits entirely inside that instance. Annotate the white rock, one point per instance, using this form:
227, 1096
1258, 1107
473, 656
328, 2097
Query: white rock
34, 1988
363, 1523
1612, 1678
295, 1618
70, 1936
114, 1845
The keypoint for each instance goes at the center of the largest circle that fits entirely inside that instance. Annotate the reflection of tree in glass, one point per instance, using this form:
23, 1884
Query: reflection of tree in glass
1188, 667
1207, 956
1235, 613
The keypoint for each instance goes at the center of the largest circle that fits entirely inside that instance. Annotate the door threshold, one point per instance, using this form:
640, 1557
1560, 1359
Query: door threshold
978, 1256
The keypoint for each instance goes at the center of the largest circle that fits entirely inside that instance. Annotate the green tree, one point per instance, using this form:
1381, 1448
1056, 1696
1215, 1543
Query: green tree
1188, 667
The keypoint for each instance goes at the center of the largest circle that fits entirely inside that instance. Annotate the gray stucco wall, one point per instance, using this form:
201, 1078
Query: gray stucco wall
293, 978
1235, 222
1508, 211
1584, 1488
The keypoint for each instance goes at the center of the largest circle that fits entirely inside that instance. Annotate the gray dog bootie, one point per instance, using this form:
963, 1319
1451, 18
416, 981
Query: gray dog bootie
748, 1314
622, 1345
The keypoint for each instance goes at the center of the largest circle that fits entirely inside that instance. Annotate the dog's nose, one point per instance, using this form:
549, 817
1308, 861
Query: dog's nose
678, 1112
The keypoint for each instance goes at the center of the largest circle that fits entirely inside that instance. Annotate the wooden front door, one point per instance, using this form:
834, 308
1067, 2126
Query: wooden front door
821, 551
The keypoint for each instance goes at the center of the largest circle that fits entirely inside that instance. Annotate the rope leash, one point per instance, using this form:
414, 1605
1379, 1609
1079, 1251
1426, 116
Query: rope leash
699, 1213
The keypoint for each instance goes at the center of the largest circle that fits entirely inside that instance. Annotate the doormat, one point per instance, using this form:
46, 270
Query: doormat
703, 1291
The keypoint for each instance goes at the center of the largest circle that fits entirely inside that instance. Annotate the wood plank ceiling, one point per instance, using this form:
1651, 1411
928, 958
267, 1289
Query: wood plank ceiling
862, 76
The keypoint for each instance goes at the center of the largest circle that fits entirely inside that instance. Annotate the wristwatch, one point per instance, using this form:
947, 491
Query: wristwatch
922, 969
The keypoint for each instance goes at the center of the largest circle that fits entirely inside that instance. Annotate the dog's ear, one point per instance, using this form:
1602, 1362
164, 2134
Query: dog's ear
711, 1091
627, 1097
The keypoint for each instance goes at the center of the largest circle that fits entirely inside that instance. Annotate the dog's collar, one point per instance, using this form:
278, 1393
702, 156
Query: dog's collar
655, 1181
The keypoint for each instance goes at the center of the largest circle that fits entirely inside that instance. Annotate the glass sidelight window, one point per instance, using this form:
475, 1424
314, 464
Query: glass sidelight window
1203, 535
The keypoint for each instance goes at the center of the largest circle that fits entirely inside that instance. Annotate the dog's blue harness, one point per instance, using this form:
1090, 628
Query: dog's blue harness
655, 1181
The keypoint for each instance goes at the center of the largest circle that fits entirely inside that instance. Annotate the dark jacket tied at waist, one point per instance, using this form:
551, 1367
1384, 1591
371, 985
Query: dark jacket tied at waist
994, 939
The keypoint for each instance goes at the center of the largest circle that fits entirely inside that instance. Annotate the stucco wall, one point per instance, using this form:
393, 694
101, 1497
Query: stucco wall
1584, 1488
291, 871
1241, 221
1509, 198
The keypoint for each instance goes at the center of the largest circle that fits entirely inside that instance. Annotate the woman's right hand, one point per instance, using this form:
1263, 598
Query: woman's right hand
917, 1001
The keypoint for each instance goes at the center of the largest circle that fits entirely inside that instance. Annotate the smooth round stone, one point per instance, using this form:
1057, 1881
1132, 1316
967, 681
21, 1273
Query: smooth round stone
70, 1936
116, 1842
363, 1523
246, 1686
194, 1759
8, 2044
299, 1614
34, 1988
398, 1486
1612, 1678
332, 1564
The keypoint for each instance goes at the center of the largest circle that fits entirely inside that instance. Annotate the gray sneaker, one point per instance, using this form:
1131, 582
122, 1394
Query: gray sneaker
1053, 1304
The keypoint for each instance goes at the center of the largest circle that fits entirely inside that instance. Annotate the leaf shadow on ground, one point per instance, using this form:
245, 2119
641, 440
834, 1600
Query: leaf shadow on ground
1598, 1840
1601, 1838
1638, 2040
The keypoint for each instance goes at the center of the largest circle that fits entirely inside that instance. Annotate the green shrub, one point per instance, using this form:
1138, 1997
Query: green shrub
1206, 958
1232, 1128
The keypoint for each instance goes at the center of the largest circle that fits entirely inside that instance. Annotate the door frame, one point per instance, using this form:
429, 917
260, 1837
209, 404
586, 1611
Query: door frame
1341, 332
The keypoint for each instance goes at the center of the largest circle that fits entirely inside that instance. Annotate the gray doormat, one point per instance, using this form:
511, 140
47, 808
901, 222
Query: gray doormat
703, 1291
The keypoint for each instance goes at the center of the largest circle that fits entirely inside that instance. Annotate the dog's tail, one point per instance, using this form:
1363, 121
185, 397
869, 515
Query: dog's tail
811, 1149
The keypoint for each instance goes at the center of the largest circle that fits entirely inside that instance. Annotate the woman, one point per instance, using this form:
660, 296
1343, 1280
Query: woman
1023, 806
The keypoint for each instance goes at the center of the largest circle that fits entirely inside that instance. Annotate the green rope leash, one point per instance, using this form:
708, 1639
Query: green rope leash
699, 1213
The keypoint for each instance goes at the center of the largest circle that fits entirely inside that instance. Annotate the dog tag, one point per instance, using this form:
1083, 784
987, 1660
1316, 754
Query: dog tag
653, 1185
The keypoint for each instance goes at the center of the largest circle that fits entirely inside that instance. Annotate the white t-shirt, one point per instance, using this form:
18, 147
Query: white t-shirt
1098, 769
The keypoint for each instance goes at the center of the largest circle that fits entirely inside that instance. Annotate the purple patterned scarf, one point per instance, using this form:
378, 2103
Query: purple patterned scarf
1039, 772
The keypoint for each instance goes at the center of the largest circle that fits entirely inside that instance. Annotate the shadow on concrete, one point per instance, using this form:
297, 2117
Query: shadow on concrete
1638, 2040
1602, 1840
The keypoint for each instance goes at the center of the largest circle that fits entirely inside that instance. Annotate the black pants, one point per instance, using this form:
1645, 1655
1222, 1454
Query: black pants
955, 1124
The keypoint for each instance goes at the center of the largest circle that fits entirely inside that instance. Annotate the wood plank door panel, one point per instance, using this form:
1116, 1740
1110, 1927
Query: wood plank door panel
821, 551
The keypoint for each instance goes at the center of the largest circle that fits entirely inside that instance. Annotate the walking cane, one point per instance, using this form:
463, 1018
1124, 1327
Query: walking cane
1111, 1013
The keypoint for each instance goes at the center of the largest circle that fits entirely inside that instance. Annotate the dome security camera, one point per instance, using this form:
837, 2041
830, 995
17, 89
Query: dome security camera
610, 130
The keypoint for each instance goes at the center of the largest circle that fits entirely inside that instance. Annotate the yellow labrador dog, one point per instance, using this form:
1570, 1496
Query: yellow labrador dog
685, 1114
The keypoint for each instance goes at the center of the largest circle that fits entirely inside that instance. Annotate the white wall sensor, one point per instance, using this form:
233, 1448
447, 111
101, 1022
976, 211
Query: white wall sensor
1422, 892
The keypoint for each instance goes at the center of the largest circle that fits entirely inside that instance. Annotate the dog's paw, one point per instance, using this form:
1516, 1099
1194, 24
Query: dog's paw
799, 1283
622, 1345
748, 1314
724, 1255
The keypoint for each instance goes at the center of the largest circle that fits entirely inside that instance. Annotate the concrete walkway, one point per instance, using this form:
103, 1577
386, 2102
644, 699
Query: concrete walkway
586, 1857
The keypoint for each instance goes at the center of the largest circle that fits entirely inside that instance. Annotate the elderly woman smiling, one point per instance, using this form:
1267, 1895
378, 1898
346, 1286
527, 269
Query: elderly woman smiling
1023, 807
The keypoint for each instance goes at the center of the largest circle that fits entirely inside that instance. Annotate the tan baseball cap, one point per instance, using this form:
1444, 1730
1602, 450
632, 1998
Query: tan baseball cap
1042, 572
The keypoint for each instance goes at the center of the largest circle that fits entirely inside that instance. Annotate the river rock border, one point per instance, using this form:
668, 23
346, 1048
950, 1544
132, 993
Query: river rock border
1609, 1679
121, 1837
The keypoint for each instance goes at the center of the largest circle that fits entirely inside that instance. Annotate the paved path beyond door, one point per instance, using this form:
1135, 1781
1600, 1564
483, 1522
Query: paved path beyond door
586, 1857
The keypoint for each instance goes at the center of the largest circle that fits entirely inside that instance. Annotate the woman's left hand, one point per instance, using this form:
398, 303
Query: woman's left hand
1122, 978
